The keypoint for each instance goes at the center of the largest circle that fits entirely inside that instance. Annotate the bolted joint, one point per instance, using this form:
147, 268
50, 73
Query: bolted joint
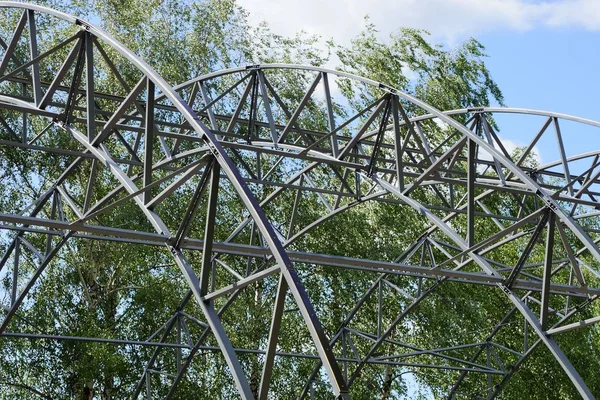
388, 89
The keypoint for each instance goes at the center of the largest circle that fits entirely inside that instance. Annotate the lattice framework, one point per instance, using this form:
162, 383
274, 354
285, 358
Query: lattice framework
243, 134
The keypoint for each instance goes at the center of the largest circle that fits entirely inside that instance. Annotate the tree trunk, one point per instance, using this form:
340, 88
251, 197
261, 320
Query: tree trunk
386, 390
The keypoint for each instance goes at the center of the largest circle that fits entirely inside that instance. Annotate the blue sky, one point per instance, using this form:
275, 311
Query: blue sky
555, 69
549, 68
543, 54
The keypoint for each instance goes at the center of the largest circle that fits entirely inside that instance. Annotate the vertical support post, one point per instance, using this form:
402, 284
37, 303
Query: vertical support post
53, 212
17, 253
526, 331
24, 115
397, 144
267, 105
357, 177
380, 307
265, 380
345, 354
213, 280
258, 166
489, 365
547, 271
249, 262
209, 229
33, 52
148, 386
563, 156
149, 140
380, 134
89, 87
178, 349
471, 173
334, 144
253, 107
209, 110
295, 207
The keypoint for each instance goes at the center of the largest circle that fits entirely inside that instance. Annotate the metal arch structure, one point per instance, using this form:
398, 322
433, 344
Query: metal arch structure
276, 137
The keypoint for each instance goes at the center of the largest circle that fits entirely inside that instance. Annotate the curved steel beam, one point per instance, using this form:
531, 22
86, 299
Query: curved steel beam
269, 235
216, 147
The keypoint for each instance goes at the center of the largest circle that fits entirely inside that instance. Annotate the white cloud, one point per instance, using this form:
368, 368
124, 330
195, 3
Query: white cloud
581, 13
510, 147
449, 20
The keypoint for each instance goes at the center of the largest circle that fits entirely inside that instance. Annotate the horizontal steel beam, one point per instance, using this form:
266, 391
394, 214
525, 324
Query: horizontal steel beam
123, 342
155, 239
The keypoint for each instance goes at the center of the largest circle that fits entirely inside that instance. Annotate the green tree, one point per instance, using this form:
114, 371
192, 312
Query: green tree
102, 289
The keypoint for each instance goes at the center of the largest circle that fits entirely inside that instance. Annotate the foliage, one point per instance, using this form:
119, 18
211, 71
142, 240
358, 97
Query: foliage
448, 79
102, 289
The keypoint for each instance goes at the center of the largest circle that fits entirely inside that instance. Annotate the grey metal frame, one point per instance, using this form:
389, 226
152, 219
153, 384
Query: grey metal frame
395, 150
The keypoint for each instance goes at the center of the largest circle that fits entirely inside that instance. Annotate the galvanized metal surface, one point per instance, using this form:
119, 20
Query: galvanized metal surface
450, 169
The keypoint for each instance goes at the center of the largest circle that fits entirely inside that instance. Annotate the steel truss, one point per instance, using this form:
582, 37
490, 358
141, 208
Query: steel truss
295, 161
